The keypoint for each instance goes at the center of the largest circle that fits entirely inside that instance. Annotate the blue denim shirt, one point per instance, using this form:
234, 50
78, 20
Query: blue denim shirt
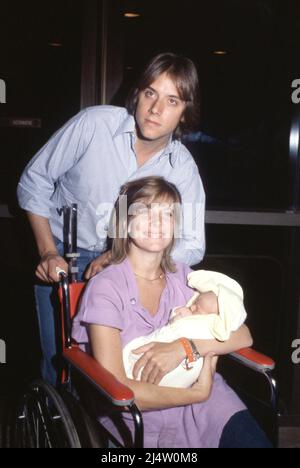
88, 160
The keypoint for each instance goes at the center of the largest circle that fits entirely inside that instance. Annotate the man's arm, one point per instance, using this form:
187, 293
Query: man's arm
50, 258
42, 233
56, 158
190, 248
37, 185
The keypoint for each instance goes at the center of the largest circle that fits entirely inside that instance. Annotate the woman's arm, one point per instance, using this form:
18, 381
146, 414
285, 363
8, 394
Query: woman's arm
107, 350
238, 340
158, 359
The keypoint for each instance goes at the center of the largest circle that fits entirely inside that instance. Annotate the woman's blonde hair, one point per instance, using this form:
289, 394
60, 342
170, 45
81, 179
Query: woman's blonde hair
147, 190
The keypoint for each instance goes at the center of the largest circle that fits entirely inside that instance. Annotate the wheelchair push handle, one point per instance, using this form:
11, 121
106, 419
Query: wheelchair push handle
70, 239
66, 306
62, 274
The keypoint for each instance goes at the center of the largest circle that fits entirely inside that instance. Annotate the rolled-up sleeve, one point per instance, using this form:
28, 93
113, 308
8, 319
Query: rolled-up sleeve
190, 248
37, 184
101, 305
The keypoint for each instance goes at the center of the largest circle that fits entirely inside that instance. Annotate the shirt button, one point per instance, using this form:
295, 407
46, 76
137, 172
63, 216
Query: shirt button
132, 301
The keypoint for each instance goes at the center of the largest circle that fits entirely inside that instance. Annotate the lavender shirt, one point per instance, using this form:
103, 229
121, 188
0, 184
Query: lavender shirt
112, 299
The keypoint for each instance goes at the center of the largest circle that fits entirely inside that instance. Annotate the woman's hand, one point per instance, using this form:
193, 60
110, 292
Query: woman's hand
98, 265
158, 359
204, 384
47, 268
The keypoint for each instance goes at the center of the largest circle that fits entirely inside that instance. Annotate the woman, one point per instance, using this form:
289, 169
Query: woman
133, 297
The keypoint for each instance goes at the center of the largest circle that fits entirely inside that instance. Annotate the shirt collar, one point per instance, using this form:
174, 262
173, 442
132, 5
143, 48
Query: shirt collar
130, 280
169, 151
169, 147
127, 126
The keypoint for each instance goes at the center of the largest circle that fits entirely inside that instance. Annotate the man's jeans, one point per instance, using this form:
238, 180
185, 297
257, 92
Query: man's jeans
47, 306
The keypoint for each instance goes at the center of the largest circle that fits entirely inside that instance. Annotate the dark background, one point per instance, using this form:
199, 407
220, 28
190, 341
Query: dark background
51, 58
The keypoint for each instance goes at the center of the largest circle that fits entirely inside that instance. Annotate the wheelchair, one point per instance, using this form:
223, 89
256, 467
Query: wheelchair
64, 416
49, 417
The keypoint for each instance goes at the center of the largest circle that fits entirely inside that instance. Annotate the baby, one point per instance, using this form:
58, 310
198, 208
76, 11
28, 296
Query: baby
205, 304
214, 312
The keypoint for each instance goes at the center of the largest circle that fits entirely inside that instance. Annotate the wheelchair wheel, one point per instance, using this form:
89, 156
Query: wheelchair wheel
89, 430
43, 420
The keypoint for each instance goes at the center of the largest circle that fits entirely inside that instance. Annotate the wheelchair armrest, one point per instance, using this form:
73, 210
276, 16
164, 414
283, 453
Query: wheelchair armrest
102, 379
253, 359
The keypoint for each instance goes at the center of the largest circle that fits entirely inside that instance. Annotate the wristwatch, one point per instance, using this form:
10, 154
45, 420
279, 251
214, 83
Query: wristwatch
192, 353
196, 353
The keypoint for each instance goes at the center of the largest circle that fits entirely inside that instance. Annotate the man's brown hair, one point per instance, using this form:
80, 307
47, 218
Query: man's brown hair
184, 74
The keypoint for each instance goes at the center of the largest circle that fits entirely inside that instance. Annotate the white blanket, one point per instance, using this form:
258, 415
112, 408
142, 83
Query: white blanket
231, 316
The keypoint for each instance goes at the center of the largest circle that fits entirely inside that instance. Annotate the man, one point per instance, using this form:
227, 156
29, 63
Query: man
92, 156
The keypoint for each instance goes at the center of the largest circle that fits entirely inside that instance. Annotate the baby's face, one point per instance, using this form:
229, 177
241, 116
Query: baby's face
206, 303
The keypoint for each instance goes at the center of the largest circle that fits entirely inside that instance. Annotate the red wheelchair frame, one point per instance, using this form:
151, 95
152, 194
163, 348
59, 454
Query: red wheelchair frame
117, 393
52, 417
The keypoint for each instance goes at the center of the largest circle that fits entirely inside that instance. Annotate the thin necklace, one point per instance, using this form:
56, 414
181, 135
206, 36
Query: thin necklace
161, 276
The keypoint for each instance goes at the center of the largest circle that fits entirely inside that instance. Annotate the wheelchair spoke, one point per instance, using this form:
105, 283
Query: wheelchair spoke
43, 420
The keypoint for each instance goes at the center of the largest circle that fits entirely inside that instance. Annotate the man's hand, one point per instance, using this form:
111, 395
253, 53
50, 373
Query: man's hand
47, 268
158, 359
98, 265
